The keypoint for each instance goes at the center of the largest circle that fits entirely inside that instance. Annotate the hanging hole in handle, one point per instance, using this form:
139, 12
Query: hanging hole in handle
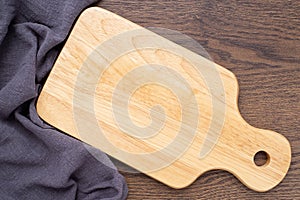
261, 158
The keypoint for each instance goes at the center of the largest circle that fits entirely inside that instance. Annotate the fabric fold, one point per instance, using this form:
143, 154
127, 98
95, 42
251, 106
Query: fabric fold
36, 160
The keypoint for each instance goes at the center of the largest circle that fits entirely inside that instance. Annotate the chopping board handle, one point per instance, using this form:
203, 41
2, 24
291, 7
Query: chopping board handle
245, 141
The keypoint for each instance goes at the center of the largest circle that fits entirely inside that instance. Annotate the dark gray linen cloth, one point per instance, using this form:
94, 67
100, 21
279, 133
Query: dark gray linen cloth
36, 160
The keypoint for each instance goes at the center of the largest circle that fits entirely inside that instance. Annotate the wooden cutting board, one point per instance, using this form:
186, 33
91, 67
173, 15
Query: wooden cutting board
155, 106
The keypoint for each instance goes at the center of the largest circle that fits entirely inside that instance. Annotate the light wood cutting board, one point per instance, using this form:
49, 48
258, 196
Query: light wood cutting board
155, 106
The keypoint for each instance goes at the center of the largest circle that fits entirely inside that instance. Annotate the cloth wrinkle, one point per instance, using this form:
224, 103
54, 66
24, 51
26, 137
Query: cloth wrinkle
37, 161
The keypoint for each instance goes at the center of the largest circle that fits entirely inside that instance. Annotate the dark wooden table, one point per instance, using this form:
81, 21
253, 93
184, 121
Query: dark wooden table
260, 42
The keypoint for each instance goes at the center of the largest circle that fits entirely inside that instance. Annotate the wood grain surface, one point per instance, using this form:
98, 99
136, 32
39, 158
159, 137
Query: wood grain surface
180, 143
259, 41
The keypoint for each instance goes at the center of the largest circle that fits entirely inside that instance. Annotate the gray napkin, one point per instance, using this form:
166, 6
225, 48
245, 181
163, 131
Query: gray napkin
36, 160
